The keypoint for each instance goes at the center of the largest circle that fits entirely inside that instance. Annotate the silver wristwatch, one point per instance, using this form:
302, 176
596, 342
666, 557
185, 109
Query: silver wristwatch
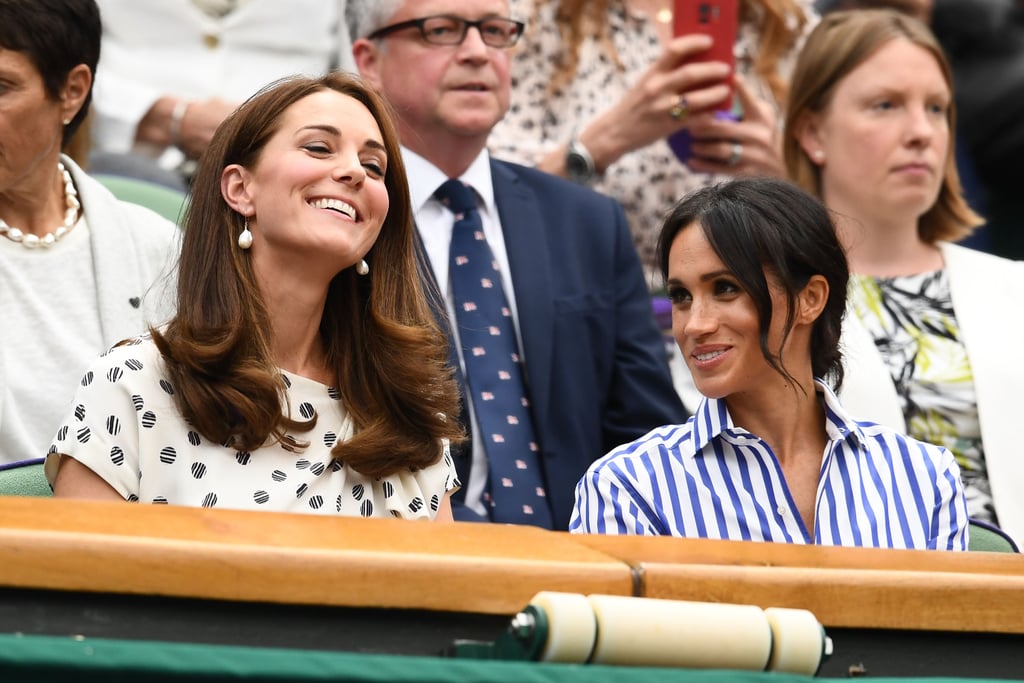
579, 165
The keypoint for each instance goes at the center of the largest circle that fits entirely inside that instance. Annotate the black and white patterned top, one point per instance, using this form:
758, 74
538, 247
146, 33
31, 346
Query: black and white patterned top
912, 321
125, 426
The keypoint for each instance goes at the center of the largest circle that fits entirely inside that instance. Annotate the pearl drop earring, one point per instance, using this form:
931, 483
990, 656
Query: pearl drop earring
245, 239
362, 267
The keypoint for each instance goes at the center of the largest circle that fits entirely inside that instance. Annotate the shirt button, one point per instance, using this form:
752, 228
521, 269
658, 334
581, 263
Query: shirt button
782, 511
211, 41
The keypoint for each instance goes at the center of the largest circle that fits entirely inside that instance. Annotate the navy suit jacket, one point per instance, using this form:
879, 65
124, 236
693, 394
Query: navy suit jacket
596, 367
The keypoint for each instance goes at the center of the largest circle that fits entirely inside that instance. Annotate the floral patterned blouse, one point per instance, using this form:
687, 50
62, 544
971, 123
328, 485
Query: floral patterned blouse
912, 321
647, 181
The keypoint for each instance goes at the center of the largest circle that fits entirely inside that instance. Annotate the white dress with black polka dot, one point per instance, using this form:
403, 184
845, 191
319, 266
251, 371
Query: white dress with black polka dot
125, 426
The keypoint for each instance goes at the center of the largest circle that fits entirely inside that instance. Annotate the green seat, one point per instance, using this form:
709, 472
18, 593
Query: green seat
167, 202
988, 538
24, 478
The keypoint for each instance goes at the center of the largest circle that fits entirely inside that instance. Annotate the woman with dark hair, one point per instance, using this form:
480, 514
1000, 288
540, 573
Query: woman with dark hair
757, 280
931, 341
76, 264
303, 370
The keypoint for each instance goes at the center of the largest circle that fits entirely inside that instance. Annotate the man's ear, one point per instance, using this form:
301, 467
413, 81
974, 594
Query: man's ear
76, 88
366, 54
812, 299
236, 188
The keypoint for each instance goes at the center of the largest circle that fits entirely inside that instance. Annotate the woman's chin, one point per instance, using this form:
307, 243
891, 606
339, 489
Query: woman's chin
711, 389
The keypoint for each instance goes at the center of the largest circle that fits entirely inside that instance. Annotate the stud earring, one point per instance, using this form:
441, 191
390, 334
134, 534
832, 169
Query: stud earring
67, 121
819, 155
245, 239
362, 267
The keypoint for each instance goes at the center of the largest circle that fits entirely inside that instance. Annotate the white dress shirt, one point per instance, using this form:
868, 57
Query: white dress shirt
434, 222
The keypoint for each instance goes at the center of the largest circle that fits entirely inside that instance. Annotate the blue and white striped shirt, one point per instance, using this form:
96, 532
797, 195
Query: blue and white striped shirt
710, 479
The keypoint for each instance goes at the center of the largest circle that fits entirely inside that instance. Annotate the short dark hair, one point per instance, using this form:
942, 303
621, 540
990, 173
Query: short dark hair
759, 225
56, 36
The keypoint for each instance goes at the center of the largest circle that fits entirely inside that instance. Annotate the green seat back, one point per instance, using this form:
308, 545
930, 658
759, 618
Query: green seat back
24, 478
987, 538
163, 200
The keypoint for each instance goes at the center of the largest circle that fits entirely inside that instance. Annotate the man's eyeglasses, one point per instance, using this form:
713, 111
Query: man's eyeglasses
448, 30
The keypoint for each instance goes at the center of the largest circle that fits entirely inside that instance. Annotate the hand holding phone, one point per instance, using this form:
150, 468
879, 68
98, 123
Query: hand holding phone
720, 20
716, 18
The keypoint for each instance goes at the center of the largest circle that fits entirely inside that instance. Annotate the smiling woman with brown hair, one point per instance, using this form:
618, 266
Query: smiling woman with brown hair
303, 371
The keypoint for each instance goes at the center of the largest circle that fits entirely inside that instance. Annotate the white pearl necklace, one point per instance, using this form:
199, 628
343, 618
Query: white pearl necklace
30, 241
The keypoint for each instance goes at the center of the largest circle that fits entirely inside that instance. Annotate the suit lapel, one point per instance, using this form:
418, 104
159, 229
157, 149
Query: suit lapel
524, 228
435, 299
462, 454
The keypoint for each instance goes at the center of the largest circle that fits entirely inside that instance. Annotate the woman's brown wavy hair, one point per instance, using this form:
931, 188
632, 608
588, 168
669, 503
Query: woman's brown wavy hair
838, 45
382, 343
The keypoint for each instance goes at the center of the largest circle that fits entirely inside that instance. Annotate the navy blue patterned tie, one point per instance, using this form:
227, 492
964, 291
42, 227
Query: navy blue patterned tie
493, 369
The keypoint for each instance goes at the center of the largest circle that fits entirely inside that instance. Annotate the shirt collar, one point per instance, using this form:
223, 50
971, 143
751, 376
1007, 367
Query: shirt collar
425, 178
838, 423
712, 418
709, 421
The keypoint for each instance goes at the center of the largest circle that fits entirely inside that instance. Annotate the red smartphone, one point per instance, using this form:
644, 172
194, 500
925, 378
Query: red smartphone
716, 18
720, 20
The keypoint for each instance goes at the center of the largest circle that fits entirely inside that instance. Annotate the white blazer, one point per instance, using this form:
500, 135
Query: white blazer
988, 296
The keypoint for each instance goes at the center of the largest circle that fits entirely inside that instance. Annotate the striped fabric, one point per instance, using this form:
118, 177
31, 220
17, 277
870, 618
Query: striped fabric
710, 479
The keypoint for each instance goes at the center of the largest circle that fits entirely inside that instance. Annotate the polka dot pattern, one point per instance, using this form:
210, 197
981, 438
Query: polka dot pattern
127, 423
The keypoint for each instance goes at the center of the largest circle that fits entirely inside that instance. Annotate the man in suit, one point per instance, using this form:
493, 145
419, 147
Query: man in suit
593, 363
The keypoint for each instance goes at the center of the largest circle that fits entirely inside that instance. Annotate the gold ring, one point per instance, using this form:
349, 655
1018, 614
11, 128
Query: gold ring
679, 110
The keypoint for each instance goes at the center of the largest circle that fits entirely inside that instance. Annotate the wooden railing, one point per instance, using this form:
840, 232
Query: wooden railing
83, 546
